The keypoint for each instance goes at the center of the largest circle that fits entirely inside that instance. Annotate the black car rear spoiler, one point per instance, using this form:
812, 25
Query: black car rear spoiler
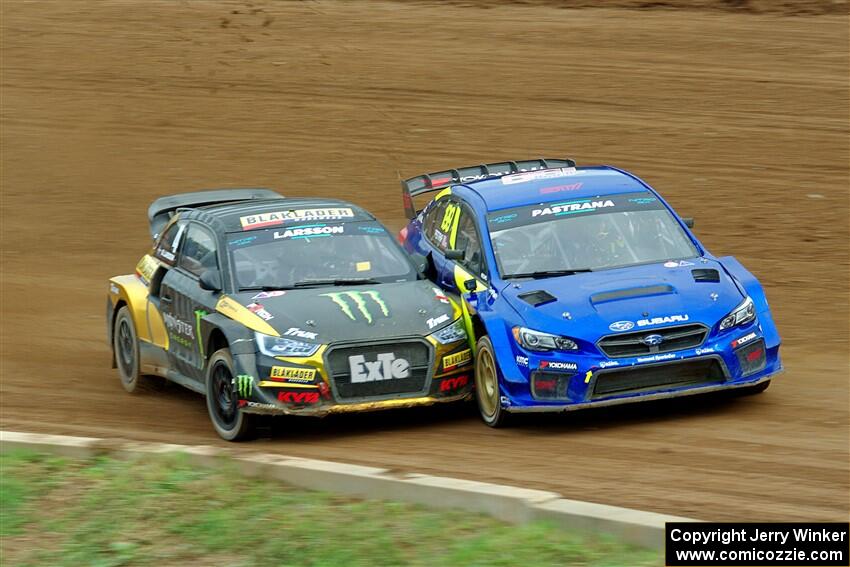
163, 208
429, 182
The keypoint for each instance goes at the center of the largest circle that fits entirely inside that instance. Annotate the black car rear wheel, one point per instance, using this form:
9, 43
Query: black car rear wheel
230, 422
125, 345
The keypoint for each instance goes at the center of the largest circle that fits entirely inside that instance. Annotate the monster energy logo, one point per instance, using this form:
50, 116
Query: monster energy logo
359, 299
244, 385
199, 313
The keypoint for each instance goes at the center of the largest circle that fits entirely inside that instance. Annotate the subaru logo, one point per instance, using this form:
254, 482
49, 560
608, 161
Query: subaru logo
652, 340
621, 326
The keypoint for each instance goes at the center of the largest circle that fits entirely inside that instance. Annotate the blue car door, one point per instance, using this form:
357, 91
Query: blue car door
466, 273
434, 239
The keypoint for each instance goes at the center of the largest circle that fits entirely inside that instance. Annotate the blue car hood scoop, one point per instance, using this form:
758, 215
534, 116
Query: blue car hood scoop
631, 292
537, 298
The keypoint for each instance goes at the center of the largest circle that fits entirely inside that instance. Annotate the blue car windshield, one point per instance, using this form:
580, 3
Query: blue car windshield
595, 233
299, 253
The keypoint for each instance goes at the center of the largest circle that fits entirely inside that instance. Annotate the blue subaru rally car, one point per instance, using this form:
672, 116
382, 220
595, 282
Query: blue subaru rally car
581, 287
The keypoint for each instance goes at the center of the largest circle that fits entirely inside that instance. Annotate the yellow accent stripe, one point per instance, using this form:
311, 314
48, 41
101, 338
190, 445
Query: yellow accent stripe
456, 310
385, 404
269, 384
135, 294
147, 266
453, 229
443, 193
241, 314
315, 361
588, 376
461, 276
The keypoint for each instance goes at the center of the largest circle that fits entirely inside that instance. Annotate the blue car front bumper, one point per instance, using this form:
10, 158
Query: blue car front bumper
553, 382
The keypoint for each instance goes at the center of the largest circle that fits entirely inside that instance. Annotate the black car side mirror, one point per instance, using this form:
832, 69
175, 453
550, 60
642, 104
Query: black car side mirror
689, 221
470, 285
452, 254
210, 280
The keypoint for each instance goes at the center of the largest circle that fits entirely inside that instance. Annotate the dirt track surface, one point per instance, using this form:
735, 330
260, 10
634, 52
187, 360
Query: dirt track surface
739, 119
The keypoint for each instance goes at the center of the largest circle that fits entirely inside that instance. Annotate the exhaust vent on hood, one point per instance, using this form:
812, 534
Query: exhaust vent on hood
631, 292
706, 275
536, 298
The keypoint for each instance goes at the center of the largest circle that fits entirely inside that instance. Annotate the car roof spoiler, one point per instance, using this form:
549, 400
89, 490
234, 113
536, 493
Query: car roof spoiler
438, 180
164, 208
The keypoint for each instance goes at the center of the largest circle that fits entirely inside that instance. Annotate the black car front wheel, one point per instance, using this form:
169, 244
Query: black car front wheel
125, 345
230, 422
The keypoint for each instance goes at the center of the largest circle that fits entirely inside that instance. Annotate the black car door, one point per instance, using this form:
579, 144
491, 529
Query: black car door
184, 303
166, 252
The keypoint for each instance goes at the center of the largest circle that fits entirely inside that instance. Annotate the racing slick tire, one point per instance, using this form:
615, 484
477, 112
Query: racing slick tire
487, 392
753, 390
230, 422
125, 345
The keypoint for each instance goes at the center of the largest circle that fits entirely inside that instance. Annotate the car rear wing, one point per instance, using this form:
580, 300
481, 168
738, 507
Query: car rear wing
438, 180
163, 208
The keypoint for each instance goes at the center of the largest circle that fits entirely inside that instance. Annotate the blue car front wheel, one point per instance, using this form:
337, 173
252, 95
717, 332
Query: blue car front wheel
752, 390
487, 385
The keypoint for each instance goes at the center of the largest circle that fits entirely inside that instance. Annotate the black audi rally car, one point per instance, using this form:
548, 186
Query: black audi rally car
269, 305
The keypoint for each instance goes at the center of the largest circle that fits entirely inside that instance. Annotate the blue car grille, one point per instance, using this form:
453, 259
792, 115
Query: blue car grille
662, 376
634, 344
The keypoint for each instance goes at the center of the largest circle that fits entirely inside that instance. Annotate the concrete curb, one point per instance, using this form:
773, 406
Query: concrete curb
508, 503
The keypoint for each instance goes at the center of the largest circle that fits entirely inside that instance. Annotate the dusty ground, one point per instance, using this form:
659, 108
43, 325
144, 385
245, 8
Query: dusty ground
740, 119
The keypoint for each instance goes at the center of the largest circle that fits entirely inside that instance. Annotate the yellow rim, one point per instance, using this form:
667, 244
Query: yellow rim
486, 382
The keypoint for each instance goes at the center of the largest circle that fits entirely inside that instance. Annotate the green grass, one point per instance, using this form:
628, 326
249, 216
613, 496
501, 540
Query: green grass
164, 511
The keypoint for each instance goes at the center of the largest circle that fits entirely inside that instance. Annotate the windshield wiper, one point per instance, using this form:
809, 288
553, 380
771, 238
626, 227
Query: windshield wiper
547, 273
337, 281
265, 288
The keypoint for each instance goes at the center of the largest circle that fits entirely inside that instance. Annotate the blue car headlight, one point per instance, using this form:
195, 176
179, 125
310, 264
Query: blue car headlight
744, 313
451, 333
539, 341
281, 346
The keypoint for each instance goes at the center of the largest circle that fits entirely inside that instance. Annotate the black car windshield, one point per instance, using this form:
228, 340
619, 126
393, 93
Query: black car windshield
586, 234
317, 254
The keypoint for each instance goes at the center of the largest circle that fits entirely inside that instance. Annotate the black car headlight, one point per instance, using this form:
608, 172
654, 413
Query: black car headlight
282, 346
744, 313
451, 333
539, 341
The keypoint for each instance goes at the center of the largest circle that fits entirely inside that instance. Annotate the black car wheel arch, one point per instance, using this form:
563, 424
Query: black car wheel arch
222, 402
125, 345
